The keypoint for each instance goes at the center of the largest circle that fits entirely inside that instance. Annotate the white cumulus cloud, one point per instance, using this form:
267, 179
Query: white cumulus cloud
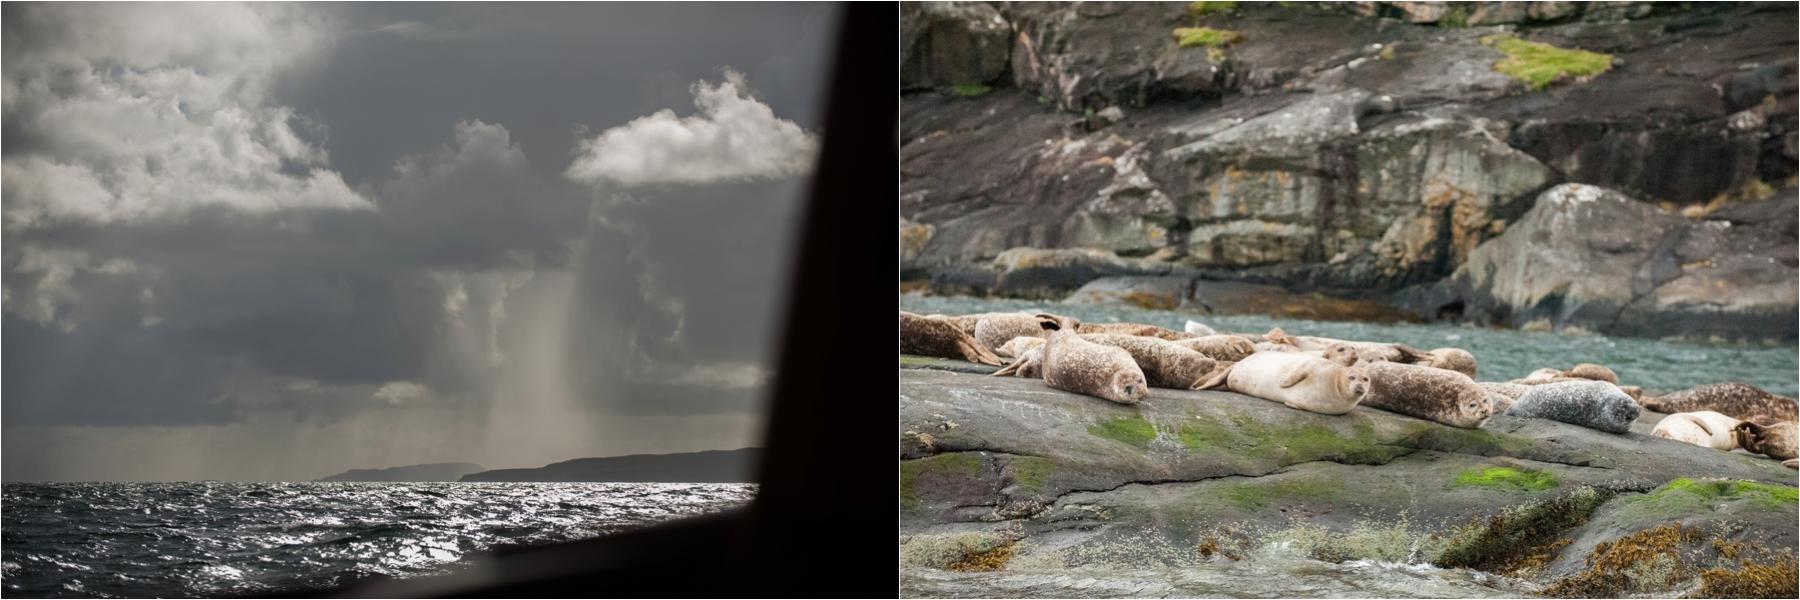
397, 393
132, 112
733, 138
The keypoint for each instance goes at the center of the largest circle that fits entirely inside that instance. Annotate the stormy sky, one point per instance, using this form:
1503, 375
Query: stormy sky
276, 242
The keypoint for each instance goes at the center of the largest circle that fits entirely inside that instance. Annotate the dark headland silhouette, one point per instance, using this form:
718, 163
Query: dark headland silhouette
711, 466
450, 471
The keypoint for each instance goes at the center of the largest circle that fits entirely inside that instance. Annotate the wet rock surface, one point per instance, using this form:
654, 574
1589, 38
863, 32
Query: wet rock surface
1371, 148
1070, 480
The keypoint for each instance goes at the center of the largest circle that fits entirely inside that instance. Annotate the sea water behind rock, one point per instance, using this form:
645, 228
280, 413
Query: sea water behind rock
213, 538
1501, 354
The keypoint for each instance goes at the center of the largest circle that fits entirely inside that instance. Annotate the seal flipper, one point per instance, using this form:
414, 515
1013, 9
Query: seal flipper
1412, 356
1215, 379
1294, 378
977, 354
1008, 369
1701, 423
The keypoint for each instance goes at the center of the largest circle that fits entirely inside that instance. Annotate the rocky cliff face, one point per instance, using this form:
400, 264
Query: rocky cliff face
1368, 146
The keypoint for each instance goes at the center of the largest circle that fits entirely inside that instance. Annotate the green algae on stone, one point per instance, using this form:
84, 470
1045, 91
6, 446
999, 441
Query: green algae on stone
1134, 431
952, 464
1506, 478
1030, 473
1688, 495
1205, 8
971, 90
1490, 543
1539, 65
1259, 495
1189, 37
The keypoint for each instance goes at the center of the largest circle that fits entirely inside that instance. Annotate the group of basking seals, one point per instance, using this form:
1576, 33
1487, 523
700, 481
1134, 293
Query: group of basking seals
1119, 362
1726, 416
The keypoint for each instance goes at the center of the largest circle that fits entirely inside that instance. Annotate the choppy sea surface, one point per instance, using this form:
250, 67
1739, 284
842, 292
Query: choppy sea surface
213, 538
1500, 354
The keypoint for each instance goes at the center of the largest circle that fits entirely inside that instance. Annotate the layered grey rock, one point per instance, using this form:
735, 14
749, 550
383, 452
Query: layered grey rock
1593, 258
1330, 150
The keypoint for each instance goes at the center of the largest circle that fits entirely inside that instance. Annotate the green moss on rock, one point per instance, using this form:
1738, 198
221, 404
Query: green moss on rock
1134, 431
1539, 65
1207, 37
1031, 473
1206, 8
954, 464
1506, 478
1686, 495
971, 90
1495, 542
1256, 496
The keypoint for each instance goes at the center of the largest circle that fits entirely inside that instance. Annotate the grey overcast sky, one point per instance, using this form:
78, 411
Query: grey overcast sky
279, 241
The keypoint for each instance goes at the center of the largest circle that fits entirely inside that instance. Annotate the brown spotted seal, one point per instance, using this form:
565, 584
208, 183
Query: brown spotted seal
1451, 359
1225, 348
1135, 329
1028, 363
1018, 346
927, 336
1428, 393
1588, 371
1074, 364
1775, 441
994, 330
1298, 380
1740, 400
1701, 428
1165, 364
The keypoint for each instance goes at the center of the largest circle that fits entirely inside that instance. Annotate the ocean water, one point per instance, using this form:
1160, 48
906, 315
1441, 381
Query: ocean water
212, 538
1500, 354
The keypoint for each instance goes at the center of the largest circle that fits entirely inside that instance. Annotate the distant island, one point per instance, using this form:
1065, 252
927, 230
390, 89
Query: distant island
430, 472
711, 466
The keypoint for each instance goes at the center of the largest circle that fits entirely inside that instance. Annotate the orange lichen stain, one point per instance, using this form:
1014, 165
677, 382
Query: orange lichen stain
991, 560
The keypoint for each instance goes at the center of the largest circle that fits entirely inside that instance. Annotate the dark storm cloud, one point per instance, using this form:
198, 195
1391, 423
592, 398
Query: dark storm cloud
332, 212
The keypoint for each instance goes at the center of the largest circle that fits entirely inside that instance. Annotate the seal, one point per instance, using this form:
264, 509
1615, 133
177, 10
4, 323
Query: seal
1018, 346
994, 330
965, 322
1350, 353
1591, 404
1298, 380
1510, 390
1775, 441
927, 336
1502, 395
1587, 371
1029, 363
1739, 400
1134, 329
1197, 328
1074, 364
1701, 428
1165, 364
1451, 359
1224, 348
1429, 393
